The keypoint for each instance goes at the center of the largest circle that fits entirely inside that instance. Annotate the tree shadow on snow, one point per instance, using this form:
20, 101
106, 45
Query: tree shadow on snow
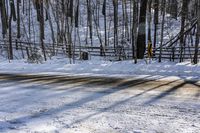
112, 85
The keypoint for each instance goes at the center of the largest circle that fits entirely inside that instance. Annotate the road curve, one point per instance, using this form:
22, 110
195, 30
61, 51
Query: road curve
54, 103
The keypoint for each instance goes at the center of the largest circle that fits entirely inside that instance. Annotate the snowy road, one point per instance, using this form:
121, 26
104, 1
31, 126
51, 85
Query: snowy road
70, 104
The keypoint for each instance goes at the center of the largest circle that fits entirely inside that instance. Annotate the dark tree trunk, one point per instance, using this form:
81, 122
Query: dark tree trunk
115, 4
4, 18
195, 60
183, 18
173, 8
149, 20
141, 40
156, 13
105, 23
42, 28
134, 30
90, 24
162, 29
77, 14
18, 20
10, 31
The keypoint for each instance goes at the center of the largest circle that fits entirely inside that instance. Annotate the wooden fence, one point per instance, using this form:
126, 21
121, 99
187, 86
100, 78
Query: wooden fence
111, 53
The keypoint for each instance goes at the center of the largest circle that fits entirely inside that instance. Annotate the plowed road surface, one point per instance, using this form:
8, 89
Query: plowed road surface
70, 104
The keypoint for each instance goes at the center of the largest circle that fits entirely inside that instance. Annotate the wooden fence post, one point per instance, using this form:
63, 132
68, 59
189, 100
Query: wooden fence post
173, 53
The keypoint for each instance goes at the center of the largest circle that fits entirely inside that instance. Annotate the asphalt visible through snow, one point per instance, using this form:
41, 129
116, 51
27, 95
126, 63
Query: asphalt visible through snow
55, 103
168, 87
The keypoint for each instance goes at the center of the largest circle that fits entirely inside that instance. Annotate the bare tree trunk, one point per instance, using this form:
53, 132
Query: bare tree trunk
90, 24
10, 55
149, 20
183, 18
4, 19
173, 8
42, 28
156, 14
134, 30
141, 40
105, 23
162, 29
12, 16
125, 19
195, 60
18, 20
51, 25
115, 4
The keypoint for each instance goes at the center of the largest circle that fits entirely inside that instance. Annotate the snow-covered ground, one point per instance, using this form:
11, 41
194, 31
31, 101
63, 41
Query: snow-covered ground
83, 105
100, 67
116, 102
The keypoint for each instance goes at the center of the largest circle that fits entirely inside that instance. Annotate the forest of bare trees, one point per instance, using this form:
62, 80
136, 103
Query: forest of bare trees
128, 24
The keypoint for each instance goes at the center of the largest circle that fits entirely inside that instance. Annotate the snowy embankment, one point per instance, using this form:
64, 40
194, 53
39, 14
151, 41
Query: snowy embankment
100, 67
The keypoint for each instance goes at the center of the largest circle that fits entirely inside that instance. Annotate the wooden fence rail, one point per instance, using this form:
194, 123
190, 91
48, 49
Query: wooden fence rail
118, 53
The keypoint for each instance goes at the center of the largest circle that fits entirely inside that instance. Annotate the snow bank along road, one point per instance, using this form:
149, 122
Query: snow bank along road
70, 104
